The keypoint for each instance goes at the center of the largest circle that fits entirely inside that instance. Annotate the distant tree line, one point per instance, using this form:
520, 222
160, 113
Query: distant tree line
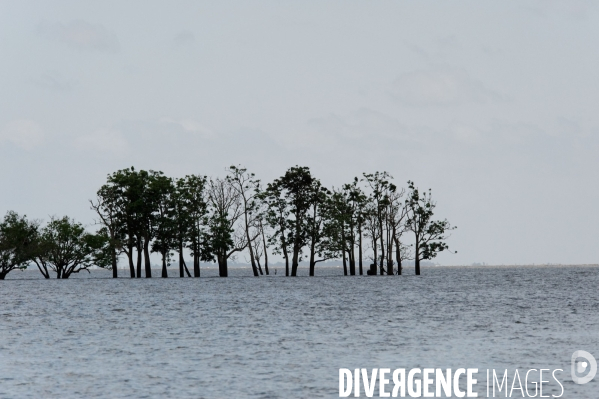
366, 221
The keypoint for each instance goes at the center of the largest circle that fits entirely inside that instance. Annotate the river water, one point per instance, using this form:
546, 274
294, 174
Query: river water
276, 337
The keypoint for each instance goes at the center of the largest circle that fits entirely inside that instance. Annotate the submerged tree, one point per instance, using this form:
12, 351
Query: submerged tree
248, 191
382, 190
119, 205
429, 235
108, 208
226, 209
276, 216
193, 211
65, 247
319, 241
17, 242
289, 196
166, 221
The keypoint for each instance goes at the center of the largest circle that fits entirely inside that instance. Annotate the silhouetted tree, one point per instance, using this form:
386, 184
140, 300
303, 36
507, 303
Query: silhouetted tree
320, 243
17, 242
192, 200
108, 209
338, 226
429, 234
167, 222
226, 209
381, 190
371, 227
294, 187
123, 194
263, 241
276, 215
65, 247
248, 190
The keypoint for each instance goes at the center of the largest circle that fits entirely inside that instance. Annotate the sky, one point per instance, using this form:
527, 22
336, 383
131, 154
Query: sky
492, 105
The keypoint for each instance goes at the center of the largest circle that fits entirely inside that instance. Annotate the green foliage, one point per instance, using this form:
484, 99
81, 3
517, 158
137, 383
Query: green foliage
429, 234
191, 213
65, 247
17, 242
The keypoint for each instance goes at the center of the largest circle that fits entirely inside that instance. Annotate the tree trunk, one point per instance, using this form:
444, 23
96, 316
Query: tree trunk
417, 259
186, 269
222, 265
147, 258
312, 250
265, 250
181, 271
382, 269
164, 271
374, 248
390, 258
196, 266
360, 247
130, 258
259, 266
295, 262
398, 257
3, 274
251, 249
286, 255
115, 273
196, 259
344, 264
43, 269
139, 252
381, 265
352, 262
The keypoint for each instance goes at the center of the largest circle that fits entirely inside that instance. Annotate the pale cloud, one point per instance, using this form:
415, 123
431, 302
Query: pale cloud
440, 88
23, 133
103, 140
189, 125
184, 37
81, 35
465, 133
568, 127
360, 123
55, 81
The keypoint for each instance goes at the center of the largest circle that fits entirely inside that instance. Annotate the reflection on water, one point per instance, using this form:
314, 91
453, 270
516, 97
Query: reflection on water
271, 337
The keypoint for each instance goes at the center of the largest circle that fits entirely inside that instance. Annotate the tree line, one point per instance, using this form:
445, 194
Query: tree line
141, 212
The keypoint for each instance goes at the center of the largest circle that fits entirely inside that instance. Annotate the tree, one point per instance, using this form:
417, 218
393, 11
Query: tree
123, 197
381, 190
294, 191
371, 230
320, 243
65, 247
150, 183
263, 241
248, 190
349, 209
395, 217
226, 209
429, 234
192, 216
338, 227
276, 215
107, 207
167, 223
17, 242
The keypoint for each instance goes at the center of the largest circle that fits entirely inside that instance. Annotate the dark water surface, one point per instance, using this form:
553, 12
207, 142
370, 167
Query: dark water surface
276, 337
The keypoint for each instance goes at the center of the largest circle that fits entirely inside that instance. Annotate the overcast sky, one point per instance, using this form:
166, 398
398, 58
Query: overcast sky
493, 105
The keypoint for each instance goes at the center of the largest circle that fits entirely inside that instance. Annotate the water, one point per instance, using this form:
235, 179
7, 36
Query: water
276, 337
